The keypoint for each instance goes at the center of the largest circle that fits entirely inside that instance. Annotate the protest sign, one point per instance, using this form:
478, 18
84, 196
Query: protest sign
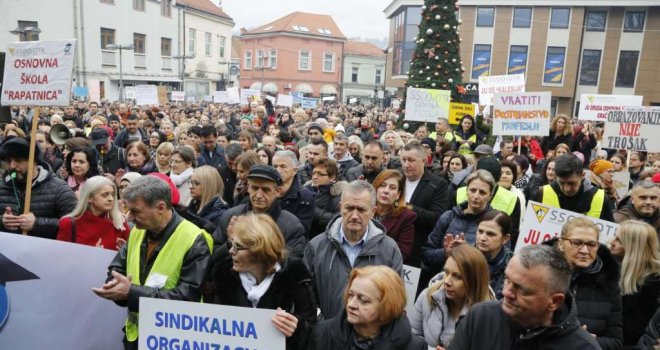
297, 97
208, 98
396, 103
190, 99
621, 183
38, 73
596, 107
521, 114
129, 92
271, 99
328, 98
248, 94
542, 222
233, 95
491, 85
50, 304
284, 100
146, 95
427, 105
309, 103
186, 325
80, 91
162, 95
352, 100
459, 110
178, 96
633, 128
410, 281
94, 90
221, 97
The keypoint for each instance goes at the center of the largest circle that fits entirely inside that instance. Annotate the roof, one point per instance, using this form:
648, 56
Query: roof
205, 6
301, 23
361, 48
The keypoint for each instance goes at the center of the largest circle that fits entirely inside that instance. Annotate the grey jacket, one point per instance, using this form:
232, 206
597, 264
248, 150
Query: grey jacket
330, 267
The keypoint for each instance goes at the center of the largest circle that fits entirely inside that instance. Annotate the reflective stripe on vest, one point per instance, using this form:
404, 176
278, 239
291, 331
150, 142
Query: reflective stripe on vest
168, 262
550, 198
504, 200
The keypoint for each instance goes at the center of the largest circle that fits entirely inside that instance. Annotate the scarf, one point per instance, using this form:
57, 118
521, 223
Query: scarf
256, 291
71, 180
181, 178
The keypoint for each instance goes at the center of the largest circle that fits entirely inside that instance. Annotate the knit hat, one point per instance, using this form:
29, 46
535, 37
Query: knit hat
130, 177
491, 165
429, 142
656, 178
339, 128
600, 166
18, 148
316, 126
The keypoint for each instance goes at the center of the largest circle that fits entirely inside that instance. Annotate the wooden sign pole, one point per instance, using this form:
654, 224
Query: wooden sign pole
30, 174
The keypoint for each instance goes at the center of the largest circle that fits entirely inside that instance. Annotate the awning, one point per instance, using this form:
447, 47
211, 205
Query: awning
256, 86
304, 88
126, 78
270, 87
328, 90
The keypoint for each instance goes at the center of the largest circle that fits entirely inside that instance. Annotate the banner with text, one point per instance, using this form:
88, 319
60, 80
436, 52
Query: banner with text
633, 128
178, 96
459, 110
146, 95
38, 73
234, 96
284, 100
542, 223
129, 92
248, 94
427, 105
491, 85
410, 282
522, 114
297, 97
186, 325
220, 96
596, 107
309, 103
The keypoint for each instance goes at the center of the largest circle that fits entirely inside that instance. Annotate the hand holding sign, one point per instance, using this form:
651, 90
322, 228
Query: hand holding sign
285, 322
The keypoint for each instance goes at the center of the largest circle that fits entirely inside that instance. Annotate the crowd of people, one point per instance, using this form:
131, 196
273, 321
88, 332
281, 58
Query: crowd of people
313, 213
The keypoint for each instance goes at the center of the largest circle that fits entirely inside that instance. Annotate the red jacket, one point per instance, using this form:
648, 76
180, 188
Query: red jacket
402, 229
89, 228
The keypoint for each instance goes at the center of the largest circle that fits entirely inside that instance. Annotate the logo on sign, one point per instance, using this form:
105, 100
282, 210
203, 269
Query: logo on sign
540, 212
10, 272
591, 98
67, 49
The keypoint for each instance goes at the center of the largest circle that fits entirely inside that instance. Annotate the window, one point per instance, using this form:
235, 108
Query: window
166, 47
328, 62
634, 21
554, 65
590, 67
166, 8
107, 37
248, 59
139, 43
627, 70
560, 17
260, 59
304, 60
354, 74
485, 16
596, 21
28, 36
522, 17
518, 59
481, 61
138, 5
223, 42
207, 44
272, 56
191, 40
378, 76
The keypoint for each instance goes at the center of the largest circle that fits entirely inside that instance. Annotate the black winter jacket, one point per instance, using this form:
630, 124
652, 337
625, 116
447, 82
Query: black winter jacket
209, 216
550, 142
638, 309
496, 267
299, 202
113, 160
121, 140
326, 204
650, 337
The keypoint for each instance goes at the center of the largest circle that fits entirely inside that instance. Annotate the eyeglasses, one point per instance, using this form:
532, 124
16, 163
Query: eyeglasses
578, 243
235, 246
194, 183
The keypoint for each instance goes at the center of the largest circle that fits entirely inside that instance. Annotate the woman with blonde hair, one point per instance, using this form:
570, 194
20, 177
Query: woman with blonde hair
636, 246
561, 131
163, 157
96, 219
463, 283
355, 147
206, 204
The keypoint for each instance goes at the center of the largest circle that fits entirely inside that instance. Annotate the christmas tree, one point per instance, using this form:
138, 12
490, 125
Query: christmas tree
436, 62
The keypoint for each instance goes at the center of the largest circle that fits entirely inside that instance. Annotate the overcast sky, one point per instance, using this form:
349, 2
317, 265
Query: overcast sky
356, 18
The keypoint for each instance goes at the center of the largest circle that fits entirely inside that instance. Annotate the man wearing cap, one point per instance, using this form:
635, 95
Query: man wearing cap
314, 131
112, 157
343, 156
131, 133
481, 151
264, 185
372, 163
51, 197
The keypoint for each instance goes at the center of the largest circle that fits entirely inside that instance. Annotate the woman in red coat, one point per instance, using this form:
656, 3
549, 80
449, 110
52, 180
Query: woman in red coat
96, 219
391, 210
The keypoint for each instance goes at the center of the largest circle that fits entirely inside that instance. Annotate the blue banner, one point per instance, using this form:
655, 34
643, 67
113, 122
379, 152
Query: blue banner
309, 103
297, 97
554, 67
518, 62
480, 63
80, 91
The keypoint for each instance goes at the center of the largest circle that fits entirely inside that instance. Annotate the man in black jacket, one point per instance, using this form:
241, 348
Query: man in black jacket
228, 172
372, 163
111, 157
537, 311
295, 199
213, 154
131, 133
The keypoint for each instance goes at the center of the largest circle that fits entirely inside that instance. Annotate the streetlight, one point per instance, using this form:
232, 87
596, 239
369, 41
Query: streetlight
183, 59
25, 31
121, 48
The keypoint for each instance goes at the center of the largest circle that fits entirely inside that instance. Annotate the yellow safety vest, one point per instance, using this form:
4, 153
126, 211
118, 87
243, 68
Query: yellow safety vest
465, 148
503, 200
449, 136
168, 262
550, 198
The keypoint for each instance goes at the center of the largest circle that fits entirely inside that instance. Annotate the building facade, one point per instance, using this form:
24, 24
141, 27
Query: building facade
566, 47
363, 78
301, 52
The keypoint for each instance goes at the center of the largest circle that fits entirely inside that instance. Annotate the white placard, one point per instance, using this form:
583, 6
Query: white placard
221, 97
146, 95
542, 223
328, 98
521, 114
285, 100
633, 128
621, 183
271, 99
410, 282
94, 90
178, 96
352, 100
596, 107
248, 93
491, 85
129, 92
427, 105
206, 326
234, 98
38, 73
396, 104
57, 309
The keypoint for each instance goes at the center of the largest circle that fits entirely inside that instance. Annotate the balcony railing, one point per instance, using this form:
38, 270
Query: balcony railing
140, 60
166, 62
108, 58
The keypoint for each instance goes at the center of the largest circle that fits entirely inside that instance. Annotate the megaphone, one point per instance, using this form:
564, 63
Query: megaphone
59, 133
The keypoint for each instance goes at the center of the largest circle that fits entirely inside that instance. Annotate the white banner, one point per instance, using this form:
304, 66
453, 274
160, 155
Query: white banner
284, 100
596, 107
633, 128
621, 183
38, 73
49, 299
129, 92
491, 85
410, 282
542, 223
221, 97
271, 99
94, 90
352, 100
328, 98
178, 96
186, 325
233, 95
521, 114
246, 94
146, 95
427, 105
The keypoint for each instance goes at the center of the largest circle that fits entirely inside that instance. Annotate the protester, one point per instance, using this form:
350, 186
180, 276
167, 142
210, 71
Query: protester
131, 133
294, 198
81, 164
244, 162
467, 137
317, 149
643, 205
372, 163
213, 154
182, 162
112, 157
138, 160
342, 156
206, 204
327, 194
228, 171
561, 131
493, 234
156, 138
163, 157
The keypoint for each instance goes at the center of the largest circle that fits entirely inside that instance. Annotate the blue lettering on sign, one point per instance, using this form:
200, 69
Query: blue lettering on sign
203, 324
164, 343
520, 126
